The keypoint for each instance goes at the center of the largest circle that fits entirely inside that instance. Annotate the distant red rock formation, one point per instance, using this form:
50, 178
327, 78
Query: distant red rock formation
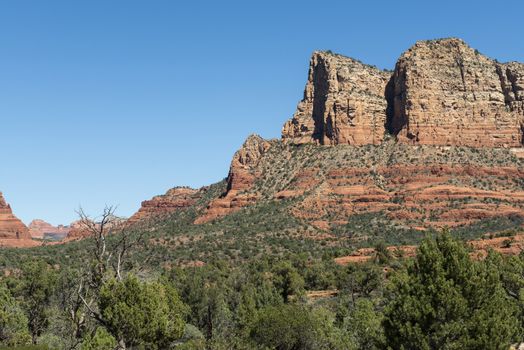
76, 231
10, 226
41, 229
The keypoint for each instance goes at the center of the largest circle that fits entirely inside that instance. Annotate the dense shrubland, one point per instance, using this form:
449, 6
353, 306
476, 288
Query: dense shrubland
441, 299
261, 279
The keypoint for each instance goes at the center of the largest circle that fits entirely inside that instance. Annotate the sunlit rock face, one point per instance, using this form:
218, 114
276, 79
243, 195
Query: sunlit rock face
344, 103
446, 93
173, 200
442, 92
242, 175
10, 225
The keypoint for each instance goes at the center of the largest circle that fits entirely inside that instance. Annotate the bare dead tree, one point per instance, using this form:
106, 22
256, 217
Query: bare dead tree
98, 231
72, 305
112, 242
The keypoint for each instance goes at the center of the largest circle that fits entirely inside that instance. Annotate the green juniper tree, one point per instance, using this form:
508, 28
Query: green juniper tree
296, 327
35, 290
13, 322
445, 300
363, 325
141, 314
287, 280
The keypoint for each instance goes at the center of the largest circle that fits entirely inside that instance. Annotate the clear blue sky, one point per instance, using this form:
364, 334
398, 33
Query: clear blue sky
116, 101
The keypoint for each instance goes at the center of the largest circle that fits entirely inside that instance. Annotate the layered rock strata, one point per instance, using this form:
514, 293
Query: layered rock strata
10, 226
416, 187
343, 103
417, 196
442, 92
446, 93
173, 200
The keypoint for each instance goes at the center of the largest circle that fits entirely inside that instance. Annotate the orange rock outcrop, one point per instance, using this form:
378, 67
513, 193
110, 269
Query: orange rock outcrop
10, 226
343, 103
173, 200
242, 174
506, 245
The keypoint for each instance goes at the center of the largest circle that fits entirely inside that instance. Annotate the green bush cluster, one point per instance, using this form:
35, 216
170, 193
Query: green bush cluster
441, 299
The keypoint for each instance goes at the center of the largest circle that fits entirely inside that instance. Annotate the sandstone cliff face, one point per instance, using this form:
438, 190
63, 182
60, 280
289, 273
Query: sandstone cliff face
175, 199
242, 174
343, 103
10, 226
41, 229
446, 93
442, 92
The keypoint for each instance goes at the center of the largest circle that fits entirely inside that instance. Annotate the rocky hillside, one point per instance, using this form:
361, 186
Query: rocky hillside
420, 187
173, 200
435, 143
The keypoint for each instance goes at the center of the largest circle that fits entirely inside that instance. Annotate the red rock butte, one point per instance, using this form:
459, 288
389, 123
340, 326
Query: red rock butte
41, 229
442, 92
436, 142
10, 226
